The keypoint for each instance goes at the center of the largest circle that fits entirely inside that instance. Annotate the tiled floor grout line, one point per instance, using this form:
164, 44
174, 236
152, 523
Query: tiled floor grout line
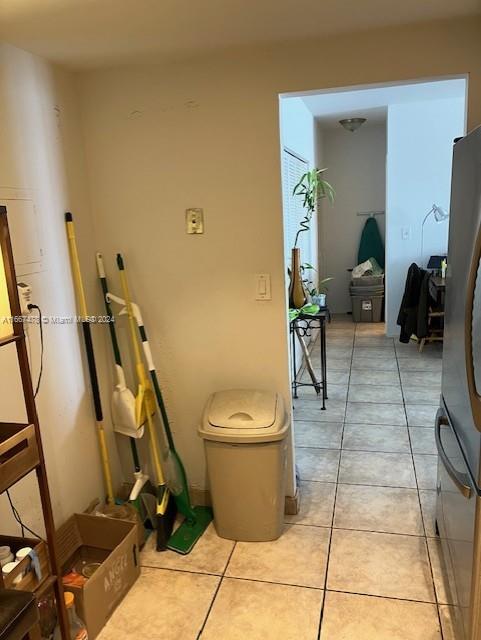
352, 367
195, 572
319, 631
216, 592
422, 517
282, 584
373, 595
325, 526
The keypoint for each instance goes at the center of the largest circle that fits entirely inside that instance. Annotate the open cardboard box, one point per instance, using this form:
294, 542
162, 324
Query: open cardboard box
112, 543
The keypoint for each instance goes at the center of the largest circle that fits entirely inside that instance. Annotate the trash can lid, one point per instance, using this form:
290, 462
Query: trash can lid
242, 415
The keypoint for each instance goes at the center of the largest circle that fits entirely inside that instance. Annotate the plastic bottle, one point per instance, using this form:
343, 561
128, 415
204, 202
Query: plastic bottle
78, 630
8, 568
22, 553
444, 266
6, 555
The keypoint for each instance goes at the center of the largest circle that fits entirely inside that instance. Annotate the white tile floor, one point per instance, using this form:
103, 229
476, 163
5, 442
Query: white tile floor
359, 561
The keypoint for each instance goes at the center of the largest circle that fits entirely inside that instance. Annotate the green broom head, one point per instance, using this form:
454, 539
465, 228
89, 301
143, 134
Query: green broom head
165, 518
186, 535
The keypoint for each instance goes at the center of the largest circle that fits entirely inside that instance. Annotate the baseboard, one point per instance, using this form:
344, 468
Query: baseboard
202, 497
293, 504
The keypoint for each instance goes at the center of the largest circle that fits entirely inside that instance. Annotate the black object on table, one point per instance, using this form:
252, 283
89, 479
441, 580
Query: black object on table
302, 327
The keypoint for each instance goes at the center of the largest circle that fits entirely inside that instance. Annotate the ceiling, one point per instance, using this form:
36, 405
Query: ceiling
92, 33
329, 107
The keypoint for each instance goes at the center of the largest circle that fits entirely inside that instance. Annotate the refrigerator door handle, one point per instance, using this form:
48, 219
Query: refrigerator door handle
474, 397
459, 479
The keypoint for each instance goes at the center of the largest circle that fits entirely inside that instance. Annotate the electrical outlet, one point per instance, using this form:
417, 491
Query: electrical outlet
194, 220
25, 297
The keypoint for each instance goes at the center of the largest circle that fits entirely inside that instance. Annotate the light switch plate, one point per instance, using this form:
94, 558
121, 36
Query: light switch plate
263, 286
194, 220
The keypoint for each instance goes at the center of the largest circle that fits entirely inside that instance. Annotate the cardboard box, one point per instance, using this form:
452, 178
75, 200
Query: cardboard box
112, 543
130, 514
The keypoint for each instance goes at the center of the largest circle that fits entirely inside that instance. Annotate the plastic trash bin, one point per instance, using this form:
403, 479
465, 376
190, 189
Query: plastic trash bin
245, 438
367, 303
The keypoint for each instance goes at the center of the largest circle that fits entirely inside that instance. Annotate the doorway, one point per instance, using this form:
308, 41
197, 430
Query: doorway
367, 464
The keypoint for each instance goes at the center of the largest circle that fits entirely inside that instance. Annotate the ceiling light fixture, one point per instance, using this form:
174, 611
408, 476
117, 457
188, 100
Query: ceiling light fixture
352, 124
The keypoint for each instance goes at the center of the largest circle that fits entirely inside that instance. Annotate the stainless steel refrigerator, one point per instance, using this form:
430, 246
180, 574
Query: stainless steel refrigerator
458, 422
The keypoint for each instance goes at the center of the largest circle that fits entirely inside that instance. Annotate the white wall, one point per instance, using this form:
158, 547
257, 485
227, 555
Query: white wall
357, 170
41, 151
420, 141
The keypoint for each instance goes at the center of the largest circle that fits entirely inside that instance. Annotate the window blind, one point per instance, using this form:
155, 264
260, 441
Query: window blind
293, 167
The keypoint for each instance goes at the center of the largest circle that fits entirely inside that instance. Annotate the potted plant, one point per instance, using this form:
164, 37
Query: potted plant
311, 187
317, 294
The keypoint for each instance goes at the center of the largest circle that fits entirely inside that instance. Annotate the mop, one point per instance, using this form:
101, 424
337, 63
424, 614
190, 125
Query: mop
127, 415
197, 519
81, 300
166, 507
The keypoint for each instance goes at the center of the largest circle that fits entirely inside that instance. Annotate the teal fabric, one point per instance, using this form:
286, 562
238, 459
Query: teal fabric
371, 245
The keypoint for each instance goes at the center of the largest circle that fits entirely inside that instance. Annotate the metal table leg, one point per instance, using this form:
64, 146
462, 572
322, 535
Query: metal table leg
323, 362
293, 356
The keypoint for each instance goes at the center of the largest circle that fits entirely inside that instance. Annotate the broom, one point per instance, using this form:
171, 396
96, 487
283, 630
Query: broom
166, 507
197, 519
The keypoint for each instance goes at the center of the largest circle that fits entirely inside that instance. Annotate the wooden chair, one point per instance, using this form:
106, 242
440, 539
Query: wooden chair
435, 334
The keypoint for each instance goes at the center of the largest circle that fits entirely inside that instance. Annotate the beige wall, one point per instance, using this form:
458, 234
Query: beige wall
205, 133
41, 152
357, 169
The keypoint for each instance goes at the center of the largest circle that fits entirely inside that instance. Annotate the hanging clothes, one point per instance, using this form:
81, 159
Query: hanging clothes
419, 296
371, 244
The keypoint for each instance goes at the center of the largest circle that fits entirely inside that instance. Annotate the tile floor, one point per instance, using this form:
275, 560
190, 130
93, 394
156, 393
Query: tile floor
360, 560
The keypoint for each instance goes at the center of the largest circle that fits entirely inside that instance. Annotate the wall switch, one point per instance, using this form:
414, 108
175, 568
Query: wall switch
194, 220
406, 233
263, 286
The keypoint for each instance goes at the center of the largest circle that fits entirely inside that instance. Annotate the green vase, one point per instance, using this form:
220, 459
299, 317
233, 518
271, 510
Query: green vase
297, 292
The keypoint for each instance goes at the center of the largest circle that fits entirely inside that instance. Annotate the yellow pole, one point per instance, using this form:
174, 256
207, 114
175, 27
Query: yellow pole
80, 293
143, 380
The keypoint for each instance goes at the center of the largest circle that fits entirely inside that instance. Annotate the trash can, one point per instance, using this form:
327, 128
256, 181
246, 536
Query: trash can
367, 298
245, 438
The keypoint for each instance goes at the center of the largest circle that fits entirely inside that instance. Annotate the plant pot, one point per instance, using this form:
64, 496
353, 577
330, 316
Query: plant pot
319, 299
297, 292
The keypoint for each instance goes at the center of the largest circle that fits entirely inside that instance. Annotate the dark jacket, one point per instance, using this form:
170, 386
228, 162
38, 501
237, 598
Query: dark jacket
408, 312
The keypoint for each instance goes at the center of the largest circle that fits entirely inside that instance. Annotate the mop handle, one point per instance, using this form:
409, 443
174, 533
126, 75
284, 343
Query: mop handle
113, 334
115, 347
148, 357
139, 365
94, 383
77, 276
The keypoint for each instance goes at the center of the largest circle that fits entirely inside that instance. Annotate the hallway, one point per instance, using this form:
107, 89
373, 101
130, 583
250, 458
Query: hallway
360, 560
367, 468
